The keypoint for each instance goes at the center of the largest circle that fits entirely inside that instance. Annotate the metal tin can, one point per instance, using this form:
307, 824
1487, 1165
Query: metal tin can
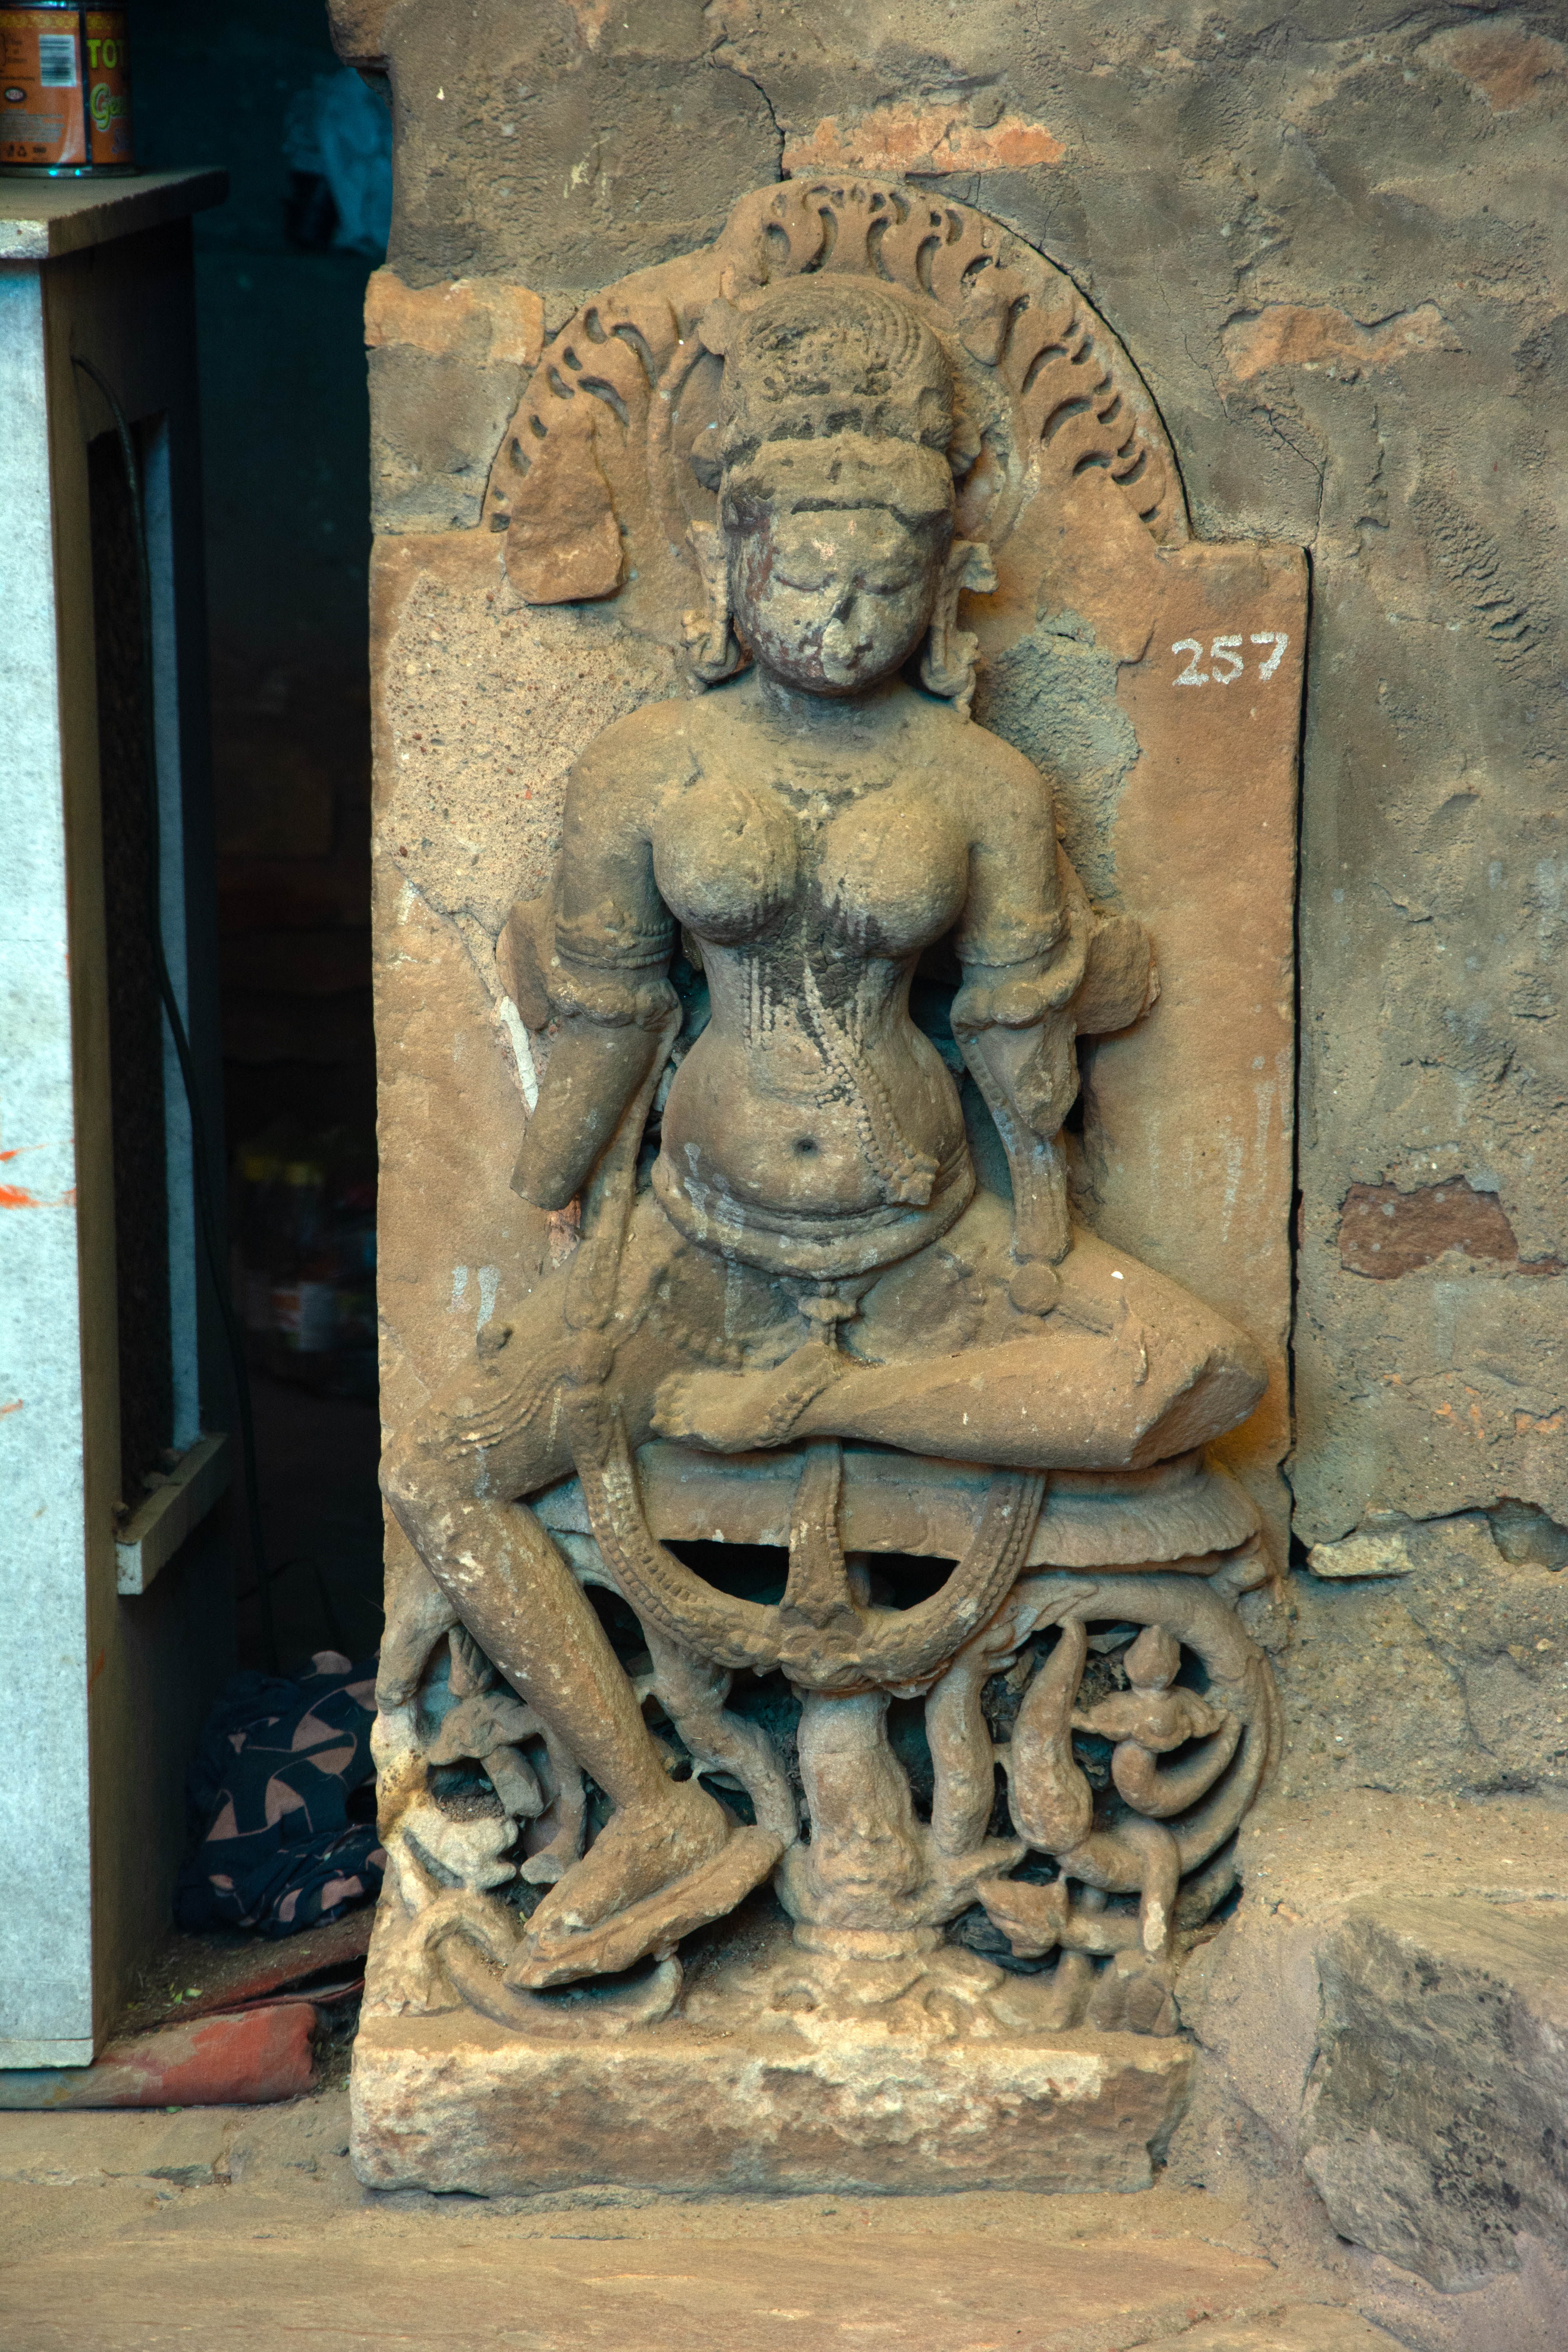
64, 90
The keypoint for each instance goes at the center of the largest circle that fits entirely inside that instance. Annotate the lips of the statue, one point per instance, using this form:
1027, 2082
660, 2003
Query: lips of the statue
835, 599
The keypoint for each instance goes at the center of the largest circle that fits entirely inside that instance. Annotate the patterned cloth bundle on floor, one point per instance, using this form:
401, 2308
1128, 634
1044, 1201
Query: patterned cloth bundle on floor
284, 1782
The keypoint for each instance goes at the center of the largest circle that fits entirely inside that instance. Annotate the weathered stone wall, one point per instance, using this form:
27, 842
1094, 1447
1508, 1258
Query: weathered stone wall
1329, 238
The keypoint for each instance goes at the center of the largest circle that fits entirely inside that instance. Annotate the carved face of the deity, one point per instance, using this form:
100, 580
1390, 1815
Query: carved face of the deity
836, 497
834, 599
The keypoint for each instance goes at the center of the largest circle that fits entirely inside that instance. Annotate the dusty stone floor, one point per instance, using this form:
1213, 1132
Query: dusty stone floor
245, 2227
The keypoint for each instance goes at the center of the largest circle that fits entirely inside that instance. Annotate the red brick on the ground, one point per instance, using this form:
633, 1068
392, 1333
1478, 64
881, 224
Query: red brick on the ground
247, 2060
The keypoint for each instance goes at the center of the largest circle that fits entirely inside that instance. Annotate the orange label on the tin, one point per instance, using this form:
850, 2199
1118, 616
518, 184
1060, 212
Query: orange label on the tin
65, 87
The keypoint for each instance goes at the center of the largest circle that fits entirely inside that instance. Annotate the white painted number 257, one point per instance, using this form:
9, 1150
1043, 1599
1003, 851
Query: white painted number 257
1226, 655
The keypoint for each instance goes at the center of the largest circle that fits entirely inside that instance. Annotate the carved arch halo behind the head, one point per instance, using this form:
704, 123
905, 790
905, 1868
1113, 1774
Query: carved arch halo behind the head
605, 463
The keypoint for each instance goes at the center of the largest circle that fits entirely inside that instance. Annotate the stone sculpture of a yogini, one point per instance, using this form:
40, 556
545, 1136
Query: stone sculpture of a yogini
788, 1257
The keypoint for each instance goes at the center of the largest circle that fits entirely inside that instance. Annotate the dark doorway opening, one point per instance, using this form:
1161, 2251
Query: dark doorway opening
280, 278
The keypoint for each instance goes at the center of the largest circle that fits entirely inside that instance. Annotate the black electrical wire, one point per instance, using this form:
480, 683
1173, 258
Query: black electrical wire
205, 1215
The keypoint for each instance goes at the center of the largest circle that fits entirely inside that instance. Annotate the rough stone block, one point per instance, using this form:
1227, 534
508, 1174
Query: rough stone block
1434, 2123
1374, 1551
1440, 1666
445, 365
1382, 2028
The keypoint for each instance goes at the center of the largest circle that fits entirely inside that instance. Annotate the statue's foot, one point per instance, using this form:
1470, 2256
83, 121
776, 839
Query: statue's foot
650, 1878
640, 1849
734, 1413
658, 1923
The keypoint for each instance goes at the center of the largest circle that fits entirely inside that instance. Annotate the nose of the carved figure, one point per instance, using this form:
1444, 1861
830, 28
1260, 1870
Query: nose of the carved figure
843, 643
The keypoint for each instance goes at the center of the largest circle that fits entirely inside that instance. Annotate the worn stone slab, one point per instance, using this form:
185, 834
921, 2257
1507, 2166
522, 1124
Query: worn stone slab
962, 2293
454, 2103
1194, 1110
134, 2233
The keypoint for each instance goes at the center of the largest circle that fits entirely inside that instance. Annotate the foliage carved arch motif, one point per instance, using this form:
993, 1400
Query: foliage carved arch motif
605, 464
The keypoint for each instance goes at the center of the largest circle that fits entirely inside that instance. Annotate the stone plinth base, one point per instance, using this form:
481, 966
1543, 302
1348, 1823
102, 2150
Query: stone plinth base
730, 2099
453, 2103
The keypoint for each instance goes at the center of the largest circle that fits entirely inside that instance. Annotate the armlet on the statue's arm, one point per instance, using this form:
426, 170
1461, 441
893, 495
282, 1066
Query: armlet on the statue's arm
1102, 972
616, 981
610, 995
615, 1022
1016, 974
1097, 976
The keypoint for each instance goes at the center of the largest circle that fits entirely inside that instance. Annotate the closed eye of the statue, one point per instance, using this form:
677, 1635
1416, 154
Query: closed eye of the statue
825, 583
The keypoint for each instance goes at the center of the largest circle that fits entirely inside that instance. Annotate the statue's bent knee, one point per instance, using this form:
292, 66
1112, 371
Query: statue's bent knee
412, 1472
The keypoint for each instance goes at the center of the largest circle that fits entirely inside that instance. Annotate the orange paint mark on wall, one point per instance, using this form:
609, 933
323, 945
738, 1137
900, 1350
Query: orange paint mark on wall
1503, 60
17, 1196
474, 319
15, 1406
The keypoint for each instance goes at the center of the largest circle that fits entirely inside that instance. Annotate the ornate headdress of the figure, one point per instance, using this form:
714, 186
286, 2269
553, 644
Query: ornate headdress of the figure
827, 309
838, 395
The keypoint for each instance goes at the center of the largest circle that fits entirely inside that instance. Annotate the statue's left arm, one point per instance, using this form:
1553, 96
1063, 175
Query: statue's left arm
1023, 944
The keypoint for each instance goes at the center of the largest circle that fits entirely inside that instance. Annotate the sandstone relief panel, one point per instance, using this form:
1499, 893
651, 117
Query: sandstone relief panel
1328, 241
835, 842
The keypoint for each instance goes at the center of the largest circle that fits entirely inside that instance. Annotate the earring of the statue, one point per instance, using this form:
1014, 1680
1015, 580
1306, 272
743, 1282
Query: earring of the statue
947, 665
716, 652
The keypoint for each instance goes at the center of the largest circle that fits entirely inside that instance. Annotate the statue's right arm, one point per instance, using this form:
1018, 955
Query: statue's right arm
1021, 946
605, 969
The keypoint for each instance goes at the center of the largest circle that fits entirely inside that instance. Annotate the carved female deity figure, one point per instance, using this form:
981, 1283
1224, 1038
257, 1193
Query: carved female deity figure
811, 1258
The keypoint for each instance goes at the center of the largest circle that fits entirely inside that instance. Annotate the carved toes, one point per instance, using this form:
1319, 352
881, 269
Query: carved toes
655, 1925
